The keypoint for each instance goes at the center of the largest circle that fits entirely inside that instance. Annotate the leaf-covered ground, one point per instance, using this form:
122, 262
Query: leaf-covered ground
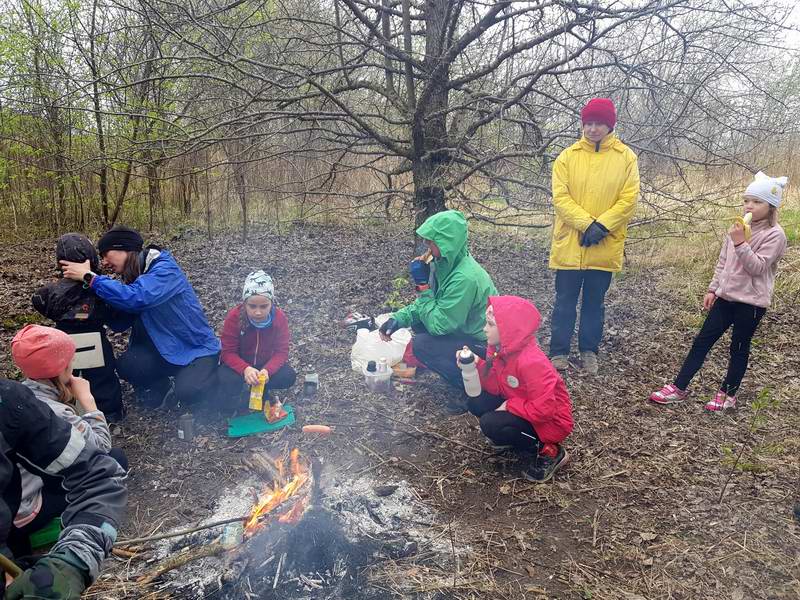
636, 515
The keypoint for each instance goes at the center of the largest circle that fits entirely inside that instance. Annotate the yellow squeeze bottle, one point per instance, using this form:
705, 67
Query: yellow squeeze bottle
257, 393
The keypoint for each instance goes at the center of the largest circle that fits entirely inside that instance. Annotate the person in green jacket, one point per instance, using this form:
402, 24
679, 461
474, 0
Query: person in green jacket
450, 310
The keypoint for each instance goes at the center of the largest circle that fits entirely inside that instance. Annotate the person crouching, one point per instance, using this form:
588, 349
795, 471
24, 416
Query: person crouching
255, 341
524, 404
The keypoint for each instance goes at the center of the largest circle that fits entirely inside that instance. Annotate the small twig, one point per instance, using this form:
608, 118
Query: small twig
182, 532
594, 528
278, 571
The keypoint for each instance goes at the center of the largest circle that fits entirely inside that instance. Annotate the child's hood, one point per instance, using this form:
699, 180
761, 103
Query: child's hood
76, 247
517, 321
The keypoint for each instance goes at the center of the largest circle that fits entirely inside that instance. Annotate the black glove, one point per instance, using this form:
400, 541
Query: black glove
51, 577
594, 234
389, 326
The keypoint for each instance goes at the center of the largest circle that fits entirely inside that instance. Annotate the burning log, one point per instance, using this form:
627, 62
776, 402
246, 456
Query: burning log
265, 468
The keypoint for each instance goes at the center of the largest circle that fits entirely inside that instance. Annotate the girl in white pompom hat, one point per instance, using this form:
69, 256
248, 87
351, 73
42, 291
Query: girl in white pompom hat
739, 294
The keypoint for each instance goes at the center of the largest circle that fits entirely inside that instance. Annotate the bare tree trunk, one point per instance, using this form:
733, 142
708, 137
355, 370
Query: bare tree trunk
239, 184
98, 118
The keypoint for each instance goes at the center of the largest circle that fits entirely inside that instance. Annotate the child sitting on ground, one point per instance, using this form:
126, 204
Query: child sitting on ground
44, 355
524, 403
77, 311
739, 294
255, 341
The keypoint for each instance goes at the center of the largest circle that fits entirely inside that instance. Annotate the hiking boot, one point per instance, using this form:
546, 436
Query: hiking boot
544, 466
721, 401
669, 394
560, 362
589, 362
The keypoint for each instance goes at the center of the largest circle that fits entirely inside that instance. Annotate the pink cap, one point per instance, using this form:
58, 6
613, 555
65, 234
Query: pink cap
42, 352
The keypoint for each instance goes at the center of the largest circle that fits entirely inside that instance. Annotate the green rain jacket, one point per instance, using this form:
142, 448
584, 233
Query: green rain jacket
456, 301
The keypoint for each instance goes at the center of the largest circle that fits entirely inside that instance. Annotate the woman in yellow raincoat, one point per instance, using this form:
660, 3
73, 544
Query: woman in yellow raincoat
595, 188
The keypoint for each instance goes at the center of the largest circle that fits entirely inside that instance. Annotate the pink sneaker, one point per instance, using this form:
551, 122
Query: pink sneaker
669, 394
721, 401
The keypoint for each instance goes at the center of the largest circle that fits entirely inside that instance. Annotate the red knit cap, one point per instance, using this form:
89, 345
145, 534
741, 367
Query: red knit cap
42, 352
600, 110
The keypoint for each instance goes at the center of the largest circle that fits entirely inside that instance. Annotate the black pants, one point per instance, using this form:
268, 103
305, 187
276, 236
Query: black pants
502, 427
103, 380
231, 386
438, 353
593, 310
745, 319
54, 502
147, 371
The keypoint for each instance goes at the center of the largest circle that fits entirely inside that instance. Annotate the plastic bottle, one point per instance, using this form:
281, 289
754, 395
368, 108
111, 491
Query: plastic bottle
257, 393
378, 377
469, 372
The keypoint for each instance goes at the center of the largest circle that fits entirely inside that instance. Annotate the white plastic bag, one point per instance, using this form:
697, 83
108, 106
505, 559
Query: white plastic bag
369, 346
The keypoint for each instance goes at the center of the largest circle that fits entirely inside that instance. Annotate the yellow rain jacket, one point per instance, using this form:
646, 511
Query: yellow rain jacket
593, 182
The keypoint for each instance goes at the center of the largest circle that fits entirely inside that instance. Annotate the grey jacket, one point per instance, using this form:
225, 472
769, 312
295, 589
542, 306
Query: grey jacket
32, 435
92, 426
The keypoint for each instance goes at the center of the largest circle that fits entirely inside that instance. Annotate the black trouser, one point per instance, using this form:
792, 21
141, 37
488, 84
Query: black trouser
593, 310
438, 353
54, 502
146, 370
745, 319
502, 427
103, 380
231, 386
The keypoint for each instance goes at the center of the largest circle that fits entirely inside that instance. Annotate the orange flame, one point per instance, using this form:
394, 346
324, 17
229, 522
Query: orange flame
279, 494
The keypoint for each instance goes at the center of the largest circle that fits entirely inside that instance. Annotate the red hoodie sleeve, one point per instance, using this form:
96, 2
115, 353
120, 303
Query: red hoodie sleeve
489, 383
230, 343
281, 353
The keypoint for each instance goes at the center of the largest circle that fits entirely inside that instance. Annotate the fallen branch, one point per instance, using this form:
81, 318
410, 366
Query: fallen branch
182, 532
181, 559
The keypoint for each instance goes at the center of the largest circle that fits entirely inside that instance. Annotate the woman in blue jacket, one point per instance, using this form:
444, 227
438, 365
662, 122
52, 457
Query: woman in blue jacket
171, 336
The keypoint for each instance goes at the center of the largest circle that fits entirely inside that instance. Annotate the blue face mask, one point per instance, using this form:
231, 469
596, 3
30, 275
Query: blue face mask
266, 323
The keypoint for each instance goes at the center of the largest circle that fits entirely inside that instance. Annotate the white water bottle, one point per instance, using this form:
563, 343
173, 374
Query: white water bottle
469, 372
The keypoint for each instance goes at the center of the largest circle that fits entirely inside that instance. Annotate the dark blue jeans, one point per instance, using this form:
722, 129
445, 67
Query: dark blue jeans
438, 353
569, 284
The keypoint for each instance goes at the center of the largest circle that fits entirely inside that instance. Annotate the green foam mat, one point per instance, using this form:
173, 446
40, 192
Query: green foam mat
256, 423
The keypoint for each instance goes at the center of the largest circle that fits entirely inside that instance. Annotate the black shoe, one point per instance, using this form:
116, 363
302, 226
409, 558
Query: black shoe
544, 467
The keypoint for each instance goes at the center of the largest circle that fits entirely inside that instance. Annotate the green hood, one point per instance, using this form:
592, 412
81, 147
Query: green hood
448, 230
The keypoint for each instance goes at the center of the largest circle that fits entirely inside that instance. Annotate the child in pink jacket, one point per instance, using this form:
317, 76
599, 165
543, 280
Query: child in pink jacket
739, 294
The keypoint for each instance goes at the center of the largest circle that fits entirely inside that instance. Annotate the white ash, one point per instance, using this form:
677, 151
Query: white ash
364, 513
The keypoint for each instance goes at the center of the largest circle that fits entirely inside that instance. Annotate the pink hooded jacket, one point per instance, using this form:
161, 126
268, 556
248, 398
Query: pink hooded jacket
746, 273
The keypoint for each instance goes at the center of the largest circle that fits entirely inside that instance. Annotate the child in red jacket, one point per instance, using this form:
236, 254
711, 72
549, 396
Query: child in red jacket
255, 340
524, 403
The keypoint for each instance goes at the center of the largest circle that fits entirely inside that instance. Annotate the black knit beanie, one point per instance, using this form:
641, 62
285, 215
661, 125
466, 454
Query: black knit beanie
76, 247
120, 238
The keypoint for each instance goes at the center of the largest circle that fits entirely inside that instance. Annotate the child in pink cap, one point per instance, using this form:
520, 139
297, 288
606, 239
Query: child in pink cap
44, 355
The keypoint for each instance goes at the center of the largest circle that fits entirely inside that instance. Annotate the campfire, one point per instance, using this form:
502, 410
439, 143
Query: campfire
293, 540
292, 492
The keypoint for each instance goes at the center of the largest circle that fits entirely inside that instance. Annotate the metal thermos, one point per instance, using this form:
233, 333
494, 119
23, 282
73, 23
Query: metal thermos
186, 427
